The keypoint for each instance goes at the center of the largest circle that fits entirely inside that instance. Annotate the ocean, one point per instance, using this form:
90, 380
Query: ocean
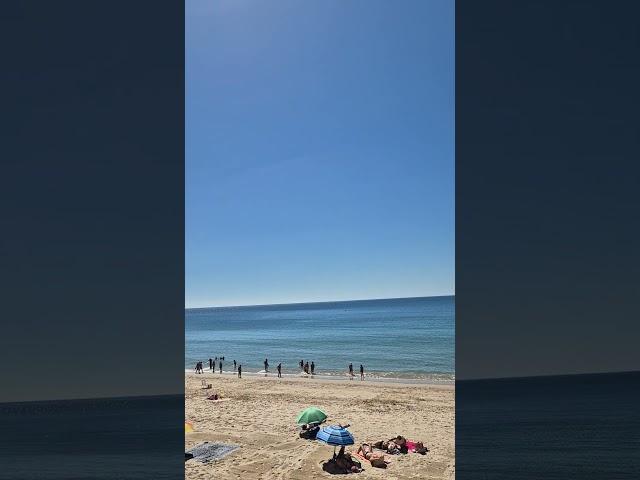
409, 339
135, 438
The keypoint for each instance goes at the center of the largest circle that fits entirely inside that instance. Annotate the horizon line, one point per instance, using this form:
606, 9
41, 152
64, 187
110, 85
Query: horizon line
318, 301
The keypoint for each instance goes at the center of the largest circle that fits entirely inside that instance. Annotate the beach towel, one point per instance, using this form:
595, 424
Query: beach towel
210, 452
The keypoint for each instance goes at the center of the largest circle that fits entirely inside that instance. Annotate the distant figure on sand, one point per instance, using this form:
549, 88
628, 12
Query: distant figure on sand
266, 365
210, 364
234, 365
280, 370
313, 367
361, 372
220, 367
239, 371
351, 370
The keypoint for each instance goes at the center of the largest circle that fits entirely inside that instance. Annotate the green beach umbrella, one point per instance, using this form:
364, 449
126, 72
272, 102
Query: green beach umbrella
311, 415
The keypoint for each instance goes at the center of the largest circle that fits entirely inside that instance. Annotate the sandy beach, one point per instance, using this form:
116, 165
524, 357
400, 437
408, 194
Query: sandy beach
258, 414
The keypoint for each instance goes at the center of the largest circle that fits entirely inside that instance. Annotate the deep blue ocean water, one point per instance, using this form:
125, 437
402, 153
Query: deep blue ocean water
137, 438
551, 428
398, 338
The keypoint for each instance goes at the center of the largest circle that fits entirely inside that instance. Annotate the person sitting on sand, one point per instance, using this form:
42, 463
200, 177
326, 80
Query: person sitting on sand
342, 463
310, 431
346, 463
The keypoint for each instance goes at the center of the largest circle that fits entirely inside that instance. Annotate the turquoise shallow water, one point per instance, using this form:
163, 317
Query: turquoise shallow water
398, 338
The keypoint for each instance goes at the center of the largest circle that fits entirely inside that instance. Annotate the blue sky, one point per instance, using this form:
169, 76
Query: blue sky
319, 150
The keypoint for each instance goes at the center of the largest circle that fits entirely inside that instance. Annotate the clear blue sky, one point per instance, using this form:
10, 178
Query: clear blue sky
319, 150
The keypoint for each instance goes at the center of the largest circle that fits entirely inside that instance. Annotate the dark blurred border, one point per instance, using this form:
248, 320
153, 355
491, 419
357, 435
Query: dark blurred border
92, 200
547, 229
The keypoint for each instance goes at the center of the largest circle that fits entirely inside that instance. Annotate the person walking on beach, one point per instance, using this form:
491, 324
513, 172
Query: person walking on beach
351, 370
266, 365
210, 364
280, 370
313, 367
234, 365
220, 367
239, 371
361, 372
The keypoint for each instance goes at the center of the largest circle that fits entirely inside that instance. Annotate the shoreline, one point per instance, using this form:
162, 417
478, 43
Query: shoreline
334, 379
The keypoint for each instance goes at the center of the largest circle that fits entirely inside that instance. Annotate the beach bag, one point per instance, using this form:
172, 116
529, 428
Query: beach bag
377, 460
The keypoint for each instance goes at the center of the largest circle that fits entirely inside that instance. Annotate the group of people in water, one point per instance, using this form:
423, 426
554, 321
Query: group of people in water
218, 361
306, 367
361, 371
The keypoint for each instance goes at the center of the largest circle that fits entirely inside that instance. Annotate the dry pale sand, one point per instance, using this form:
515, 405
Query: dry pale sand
259, 415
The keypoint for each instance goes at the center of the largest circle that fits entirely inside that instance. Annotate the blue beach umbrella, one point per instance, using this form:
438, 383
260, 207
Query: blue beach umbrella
335, 435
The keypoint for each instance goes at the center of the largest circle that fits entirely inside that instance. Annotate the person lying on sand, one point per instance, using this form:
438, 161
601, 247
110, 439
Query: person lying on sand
399, 445
376, 459
393, 446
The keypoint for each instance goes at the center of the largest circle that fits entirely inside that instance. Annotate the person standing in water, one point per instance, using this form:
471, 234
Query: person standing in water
313, 367
220, 364
234, 365
301, 364
351, 370
239, 371
266, 365
280, 370
210, 364
361, 372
